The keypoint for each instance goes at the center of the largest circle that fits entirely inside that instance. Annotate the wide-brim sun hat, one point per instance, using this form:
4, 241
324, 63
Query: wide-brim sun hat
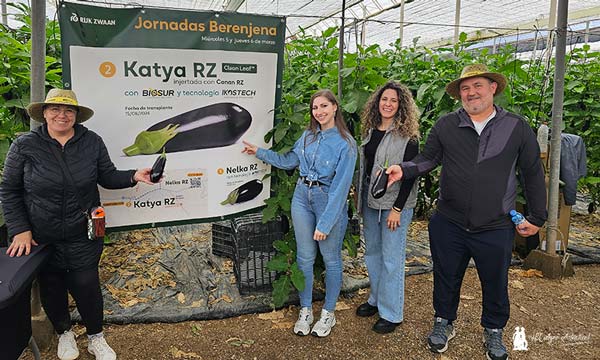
59, 97
475, 70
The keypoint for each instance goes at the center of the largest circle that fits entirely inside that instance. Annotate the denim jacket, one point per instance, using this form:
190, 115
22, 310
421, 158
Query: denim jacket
329, 159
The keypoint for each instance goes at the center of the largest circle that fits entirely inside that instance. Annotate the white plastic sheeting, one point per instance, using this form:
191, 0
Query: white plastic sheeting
432, 22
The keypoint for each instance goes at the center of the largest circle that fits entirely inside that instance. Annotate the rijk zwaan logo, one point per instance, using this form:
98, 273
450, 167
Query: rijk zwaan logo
86, 20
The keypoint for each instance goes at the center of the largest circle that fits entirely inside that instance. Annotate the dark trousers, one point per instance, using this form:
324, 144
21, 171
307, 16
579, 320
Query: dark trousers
15, 326
84, 287
451, 249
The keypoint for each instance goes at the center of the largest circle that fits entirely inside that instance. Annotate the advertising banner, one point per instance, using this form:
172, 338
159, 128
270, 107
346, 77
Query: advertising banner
190, 84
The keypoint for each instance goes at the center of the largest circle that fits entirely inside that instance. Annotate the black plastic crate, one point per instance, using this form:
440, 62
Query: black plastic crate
222, 239
253, 244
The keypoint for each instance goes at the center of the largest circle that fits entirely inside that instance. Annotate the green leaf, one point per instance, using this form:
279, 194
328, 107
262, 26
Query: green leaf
327, 33
439, 95
17, 103
350, 243
281, 290
592, 180
270, 212
278, 263
282, 246
314, 78
280, 132
350, 104
347, 71
332, 42
373, 79
297, 277
422, 91
285, 203
572, 84
373, 62
371, 48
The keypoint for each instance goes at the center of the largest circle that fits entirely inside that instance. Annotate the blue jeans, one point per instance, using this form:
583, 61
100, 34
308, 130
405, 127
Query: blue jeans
307, 206
385, 257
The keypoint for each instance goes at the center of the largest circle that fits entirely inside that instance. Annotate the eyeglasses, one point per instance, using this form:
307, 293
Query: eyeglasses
67, 111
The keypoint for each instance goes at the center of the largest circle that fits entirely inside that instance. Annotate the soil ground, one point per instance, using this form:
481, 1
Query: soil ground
560, 318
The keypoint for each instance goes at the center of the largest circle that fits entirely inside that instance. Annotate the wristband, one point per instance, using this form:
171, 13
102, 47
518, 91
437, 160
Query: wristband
396, 209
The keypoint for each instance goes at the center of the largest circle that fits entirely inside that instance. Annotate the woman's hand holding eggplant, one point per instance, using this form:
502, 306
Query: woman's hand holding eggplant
21, 244
393, 219
249, 149
319, 235
143, 175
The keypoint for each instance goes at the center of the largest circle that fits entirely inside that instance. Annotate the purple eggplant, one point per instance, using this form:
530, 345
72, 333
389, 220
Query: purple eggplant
244, 192
210, 126
379, 186
158, 168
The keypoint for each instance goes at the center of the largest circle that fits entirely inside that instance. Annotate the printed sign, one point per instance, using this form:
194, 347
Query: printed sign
189, 84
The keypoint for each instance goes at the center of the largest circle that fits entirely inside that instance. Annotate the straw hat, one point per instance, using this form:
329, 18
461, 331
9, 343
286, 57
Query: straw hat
475, 70
59, 97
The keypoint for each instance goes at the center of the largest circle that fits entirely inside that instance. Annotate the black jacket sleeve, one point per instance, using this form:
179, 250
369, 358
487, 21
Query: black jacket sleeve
412, 149
13, 194
108, 175
427, 160
531, 169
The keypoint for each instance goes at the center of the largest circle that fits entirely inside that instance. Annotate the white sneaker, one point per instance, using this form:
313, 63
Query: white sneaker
98, 347
305, 319
323, 327
67, 346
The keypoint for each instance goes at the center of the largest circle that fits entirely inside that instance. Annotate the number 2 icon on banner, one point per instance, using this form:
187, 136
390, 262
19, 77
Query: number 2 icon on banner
107, 69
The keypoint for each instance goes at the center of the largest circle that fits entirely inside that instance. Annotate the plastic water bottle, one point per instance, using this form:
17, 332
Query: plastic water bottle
516, 217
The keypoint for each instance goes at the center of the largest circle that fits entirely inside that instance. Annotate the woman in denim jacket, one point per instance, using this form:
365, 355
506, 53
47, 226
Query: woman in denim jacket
326, 156
390, 135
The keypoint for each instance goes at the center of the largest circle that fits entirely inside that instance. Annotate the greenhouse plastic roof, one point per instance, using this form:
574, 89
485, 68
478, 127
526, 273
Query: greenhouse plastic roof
431, 21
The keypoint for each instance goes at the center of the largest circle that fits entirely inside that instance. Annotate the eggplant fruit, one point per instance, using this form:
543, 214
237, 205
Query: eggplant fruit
211, 126
158, 168
244, 192
380, 184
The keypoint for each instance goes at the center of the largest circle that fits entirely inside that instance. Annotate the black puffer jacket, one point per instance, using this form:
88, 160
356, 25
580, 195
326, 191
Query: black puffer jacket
36, 196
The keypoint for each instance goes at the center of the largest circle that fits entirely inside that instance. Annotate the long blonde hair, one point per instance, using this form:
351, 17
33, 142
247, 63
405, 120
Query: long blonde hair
406, 120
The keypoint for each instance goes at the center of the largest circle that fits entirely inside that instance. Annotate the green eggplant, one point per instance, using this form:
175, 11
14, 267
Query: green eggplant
379, 186
158, 168
244, 192
211, 126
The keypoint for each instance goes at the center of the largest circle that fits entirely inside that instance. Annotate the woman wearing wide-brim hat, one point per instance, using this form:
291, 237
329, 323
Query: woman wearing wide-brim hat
41, 206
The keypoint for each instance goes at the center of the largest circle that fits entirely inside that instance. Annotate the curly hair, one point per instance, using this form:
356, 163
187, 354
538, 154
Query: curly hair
406, 120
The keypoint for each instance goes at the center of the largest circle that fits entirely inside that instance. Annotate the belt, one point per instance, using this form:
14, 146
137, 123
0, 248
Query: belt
311, 182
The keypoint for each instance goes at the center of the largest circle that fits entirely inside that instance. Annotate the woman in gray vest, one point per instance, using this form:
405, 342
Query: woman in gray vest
390, 131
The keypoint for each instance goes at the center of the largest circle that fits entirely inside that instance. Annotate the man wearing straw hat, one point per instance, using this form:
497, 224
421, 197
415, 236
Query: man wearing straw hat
480, 147
50, 180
